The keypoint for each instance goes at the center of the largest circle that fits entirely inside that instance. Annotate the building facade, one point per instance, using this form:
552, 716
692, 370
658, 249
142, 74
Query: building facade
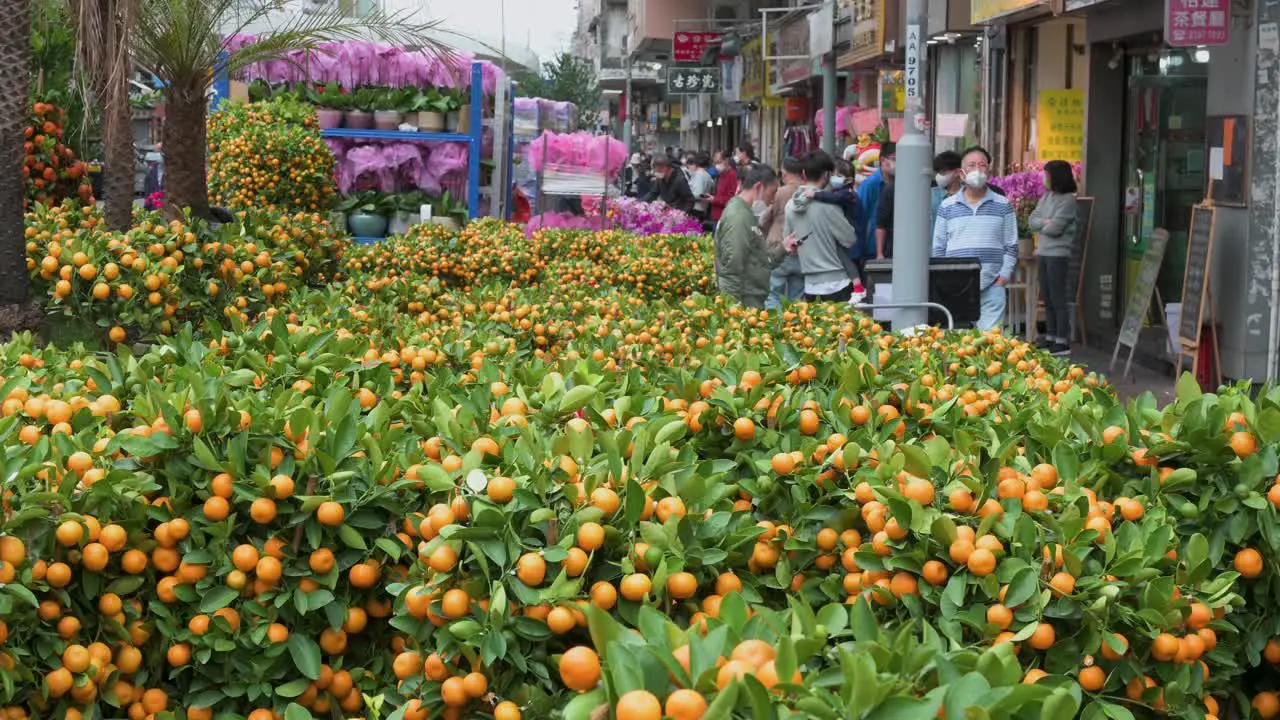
1158, 122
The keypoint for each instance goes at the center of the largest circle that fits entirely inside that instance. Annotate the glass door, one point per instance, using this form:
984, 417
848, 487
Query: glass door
1164, 158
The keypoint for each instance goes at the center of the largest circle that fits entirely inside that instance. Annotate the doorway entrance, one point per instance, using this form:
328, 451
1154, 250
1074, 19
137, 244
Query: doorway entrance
1165, 163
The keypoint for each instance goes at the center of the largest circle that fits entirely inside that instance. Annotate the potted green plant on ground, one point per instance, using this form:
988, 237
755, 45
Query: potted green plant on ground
360, 116
368, 213
331, 102
449, 212
408, 211
386, 107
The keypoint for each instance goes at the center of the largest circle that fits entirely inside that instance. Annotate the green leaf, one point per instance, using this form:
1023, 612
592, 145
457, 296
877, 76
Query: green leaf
1022, 587
306, 655
583, 706
218, 598
725, 702
1188, 388
293, 689
899, 707
351, 537
964, 693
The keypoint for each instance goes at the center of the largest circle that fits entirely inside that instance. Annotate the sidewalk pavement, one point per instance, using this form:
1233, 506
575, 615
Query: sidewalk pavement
1140, 380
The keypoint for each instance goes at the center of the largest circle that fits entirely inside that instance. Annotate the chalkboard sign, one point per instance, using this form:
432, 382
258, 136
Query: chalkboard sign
1195, 283
1075, 267
1140, 296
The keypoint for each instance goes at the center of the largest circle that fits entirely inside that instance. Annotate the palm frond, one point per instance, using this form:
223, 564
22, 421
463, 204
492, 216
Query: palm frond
182, 40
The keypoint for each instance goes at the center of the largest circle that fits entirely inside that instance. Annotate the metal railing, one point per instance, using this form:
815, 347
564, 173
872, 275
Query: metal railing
951, 322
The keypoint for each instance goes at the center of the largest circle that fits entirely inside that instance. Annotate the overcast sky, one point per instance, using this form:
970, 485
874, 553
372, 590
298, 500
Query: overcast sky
546, 26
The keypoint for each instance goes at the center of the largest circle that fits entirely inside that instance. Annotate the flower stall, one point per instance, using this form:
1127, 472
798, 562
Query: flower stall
623, 213
403, 126
577, 168
531, 116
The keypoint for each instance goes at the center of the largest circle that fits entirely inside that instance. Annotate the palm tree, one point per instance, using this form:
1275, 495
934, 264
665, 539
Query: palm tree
181, 42
102, 50
15, 78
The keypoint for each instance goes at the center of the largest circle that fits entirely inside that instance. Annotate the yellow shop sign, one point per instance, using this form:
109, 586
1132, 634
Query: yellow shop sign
983, 10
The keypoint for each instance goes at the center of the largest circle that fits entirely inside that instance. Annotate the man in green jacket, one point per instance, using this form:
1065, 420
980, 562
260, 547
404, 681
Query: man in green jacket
742, 261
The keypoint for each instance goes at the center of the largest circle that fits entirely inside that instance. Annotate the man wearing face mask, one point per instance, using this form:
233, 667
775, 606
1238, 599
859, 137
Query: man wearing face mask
980, 224
947, 181
742, 261
671, 187
820, 235
869, 199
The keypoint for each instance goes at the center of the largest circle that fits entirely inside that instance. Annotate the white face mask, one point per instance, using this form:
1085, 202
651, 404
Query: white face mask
976, 180
759, 208
837, 181
943, 179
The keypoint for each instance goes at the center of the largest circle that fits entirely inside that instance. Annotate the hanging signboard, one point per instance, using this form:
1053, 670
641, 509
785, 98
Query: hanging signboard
983, 10
791, 41
1060, 125
893, 95
1197, 22
753, 71
692, 81
690, 48
822, 29
867, 42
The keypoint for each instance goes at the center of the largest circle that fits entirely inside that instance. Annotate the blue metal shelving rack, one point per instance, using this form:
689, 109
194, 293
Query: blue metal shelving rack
472, 139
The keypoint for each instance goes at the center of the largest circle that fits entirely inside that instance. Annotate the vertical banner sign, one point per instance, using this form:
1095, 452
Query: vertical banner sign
912, 78
1197, 22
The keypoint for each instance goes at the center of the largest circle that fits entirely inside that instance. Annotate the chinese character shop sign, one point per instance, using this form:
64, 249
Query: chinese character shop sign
691, 47
1060, 125
692, 81
1197, 22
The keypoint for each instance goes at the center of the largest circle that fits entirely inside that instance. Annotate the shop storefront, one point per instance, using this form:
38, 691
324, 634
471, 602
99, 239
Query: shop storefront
1034, 61
875, 33
1148, 163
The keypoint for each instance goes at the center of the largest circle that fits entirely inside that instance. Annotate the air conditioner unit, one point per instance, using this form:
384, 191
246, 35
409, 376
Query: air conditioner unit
728, 10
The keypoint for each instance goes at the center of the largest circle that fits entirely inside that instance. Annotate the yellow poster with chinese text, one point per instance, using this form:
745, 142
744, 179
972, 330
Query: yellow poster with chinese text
1060, 125
983, 10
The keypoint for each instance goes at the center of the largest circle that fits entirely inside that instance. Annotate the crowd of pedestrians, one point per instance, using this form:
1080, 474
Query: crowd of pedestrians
807, 232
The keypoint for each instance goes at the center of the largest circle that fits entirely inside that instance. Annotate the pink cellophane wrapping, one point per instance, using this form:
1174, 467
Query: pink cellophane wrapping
356, 63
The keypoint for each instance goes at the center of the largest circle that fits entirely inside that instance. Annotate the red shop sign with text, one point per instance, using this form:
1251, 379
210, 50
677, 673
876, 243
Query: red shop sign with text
1197, 22
690, 47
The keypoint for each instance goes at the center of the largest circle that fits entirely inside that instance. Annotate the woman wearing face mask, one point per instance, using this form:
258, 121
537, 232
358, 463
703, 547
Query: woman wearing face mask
980, 224
726, 186
1055, 219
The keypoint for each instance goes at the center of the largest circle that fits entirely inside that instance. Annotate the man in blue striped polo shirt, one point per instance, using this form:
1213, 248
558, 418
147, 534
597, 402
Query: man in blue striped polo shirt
980, 224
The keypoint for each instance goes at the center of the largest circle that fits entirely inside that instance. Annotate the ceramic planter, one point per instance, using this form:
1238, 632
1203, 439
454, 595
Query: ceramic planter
464, 119
386, 120
359, 120
431, 121
329, 118
402, 221
362, 224
446, 222
338, 220
451, 121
